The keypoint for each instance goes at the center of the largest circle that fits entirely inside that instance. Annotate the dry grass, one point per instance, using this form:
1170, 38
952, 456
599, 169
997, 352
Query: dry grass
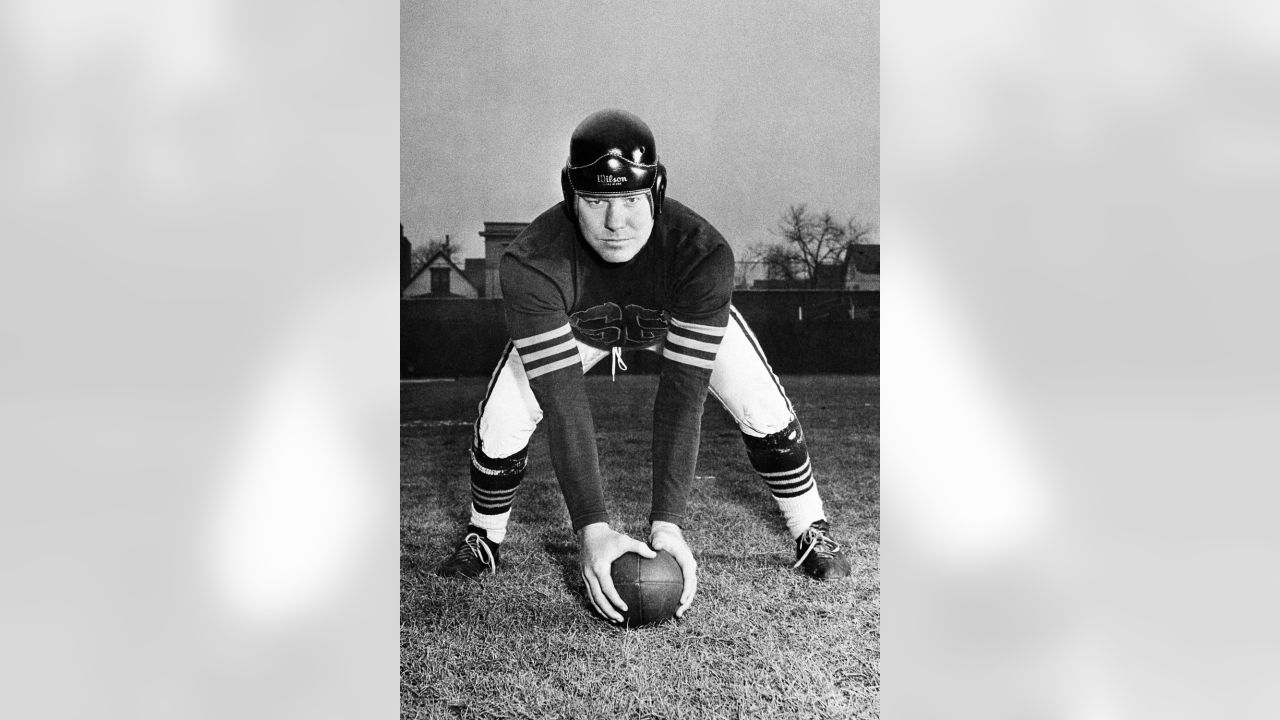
760, 640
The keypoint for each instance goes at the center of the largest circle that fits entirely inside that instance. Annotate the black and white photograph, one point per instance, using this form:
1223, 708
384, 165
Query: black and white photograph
640, 281
643, 433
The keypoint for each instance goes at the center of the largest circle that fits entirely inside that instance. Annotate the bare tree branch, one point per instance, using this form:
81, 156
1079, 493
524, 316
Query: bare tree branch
814, 248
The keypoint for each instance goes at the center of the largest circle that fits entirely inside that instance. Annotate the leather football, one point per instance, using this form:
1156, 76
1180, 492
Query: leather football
650, 588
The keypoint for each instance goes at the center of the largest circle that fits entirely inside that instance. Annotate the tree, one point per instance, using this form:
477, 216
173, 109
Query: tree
422, 253
779, 262
815, 248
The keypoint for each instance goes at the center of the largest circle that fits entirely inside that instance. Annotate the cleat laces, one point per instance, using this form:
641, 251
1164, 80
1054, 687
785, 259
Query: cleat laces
475, 546
819, 543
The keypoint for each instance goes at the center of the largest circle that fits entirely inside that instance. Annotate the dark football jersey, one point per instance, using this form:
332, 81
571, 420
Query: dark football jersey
676, 290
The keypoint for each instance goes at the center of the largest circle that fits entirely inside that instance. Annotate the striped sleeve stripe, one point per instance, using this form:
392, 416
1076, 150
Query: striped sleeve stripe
694, 344
708, 355
556, 341
701, 329
523, 343
556, 351
551, 364
697, 337
696, 358
547, 352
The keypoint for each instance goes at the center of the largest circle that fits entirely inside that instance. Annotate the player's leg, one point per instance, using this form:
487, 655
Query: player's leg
747, 387
508, 415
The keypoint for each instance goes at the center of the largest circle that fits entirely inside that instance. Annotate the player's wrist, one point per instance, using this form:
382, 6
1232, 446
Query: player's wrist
593, 530
661, 526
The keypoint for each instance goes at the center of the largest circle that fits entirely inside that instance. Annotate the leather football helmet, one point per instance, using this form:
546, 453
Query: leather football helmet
612, 153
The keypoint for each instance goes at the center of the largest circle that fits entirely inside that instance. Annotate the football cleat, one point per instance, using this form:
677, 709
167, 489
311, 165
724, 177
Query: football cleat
819, 555
474, 556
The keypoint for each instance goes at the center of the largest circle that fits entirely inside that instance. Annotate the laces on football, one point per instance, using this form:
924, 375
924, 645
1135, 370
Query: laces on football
818, 543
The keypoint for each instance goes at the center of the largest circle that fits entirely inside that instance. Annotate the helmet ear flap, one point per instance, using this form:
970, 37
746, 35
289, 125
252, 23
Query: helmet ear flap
659, 189
566, 187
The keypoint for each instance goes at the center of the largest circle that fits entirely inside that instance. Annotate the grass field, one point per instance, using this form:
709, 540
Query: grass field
760, 640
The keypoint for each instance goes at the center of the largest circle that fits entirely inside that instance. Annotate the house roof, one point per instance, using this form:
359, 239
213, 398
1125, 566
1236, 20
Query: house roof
452, 264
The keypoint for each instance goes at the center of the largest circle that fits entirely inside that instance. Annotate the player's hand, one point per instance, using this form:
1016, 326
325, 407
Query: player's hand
667, 536
601, 545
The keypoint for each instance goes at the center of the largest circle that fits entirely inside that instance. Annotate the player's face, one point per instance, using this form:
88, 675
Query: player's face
615, 227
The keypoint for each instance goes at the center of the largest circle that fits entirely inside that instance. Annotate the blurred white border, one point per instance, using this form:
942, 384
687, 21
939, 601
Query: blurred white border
1077, 388
1079, 392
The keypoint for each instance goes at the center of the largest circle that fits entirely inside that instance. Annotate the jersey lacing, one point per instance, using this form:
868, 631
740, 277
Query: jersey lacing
617, 363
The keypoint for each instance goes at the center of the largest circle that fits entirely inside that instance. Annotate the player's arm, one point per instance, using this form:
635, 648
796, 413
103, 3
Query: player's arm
539, 327
699, 318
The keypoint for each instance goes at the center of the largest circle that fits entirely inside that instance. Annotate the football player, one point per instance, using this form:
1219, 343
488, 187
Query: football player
618, 266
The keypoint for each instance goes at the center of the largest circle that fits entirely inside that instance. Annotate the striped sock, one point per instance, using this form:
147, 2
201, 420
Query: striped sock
801, 511
494, 482
782, 461
494, 526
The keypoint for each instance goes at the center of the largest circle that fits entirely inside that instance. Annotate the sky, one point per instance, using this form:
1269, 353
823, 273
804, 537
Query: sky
754, 106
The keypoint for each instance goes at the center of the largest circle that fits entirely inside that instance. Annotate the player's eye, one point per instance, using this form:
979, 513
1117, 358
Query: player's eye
632, 200
594, 202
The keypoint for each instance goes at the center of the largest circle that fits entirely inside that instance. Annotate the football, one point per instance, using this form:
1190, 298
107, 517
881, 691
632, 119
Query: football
650, 588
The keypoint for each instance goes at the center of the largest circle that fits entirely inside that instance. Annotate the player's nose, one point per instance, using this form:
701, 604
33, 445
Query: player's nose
615, 218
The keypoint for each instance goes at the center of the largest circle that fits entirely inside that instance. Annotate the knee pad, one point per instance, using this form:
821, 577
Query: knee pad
508, 467
782, 450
